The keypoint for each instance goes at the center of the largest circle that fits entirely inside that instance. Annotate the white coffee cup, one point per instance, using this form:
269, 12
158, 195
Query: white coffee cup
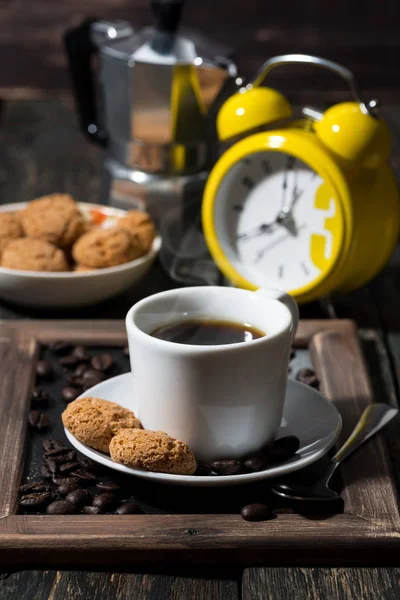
224, 401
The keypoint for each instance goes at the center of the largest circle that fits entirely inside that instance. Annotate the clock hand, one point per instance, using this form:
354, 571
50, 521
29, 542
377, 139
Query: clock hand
290, 224
286, 212
289, 167
259, 230
260, 254
287, 209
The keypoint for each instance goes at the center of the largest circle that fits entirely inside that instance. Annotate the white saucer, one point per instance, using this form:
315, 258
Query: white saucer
307, 414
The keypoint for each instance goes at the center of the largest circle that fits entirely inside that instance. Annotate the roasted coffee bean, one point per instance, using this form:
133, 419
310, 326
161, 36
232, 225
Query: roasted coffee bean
69, 394
83, 475
81, 353
107, 486
104, 501
126, 351
91, 510
33, 417
34, 486
64, 458
226, 467
50, 444
44, 369
61, 451
35, 499
79, 497
91, 377
52, 447
51, 465
203, 471
255, 462
284, 447
58, 480
102, 362
60, 507
69, 361
74, 380
68, 466
80, 369
67, 488
308, 377
292, 353
60, 347
38, 420
256, 512
87, 463
39, 397
45, 472
130, 508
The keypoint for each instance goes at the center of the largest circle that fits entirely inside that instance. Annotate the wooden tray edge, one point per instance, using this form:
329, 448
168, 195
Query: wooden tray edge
363, 537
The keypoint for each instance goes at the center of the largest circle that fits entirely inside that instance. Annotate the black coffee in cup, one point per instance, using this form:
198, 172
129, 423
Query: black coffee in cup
207, 332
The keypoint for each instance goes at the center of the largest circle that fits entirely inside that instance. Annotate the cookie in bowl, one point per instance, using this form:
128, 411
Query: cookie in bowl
55, 219
103, 248
141, 225
29, 254
78, 268
10, 229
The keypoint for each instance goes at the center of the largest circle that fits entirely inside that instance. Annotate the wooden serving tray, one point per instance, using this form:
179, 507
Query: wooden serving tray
368, 531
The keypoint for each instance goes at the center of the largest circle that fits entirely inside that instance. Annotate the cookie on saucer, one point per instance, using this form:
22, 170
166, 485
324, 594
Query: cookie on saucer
152, 451
10, 229
102, 248
94, 421
140, 224
55, 219
29, 254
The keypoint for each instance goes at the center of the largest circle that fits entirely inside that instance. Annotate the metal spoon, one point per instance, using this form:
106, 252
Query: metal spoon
372, 420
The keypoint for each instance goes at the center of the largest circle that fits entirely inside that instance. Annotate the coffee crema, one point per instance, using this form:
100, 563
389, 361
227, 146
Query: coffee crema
207, 332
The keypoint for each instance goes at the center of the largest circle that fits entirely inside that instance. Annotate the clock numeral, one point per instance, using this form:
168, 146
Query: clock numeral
266, 166
280, 272
305, 268
290, 162
237, 207
248, 182
247, 161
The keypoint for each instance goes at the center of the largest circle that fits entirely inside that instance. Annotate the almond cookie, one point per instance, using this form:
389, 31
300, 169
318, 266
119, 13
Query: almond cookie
152, 451
29, 254
55, 219
139, 223
94, 421
82, 268
10, 229
88, 226
102, 248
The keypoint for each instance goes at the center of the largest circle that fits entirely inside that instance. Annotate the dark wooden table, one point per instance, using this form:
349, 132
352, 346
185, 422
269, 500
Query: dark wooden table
42, 151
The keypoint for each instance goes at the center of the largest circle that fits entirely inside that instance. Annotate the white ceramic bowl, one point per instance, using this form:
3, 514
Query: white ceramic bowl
57, 290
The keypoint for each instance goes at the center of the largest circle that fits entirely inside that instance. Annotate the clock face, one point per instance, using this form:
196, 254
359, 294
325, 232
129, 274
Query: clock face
277, 221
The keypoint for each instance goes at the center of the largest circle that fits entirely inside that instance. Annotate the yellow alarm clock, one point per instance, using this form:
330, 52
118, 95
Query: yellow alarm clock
311, 206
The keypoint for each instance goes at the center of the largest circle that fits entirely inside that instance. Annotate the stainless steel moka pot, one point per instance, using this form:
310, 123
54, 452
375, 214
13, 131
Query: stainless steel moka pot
159, 94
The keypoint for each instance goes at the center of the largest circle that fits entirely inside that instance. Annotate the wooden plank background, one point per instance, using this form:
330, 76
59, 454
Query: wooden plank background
361, 34
42, 149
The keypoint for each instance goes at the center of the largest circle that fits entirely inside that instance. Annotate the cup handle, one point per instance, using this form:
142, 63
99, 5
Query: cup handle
287, 300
